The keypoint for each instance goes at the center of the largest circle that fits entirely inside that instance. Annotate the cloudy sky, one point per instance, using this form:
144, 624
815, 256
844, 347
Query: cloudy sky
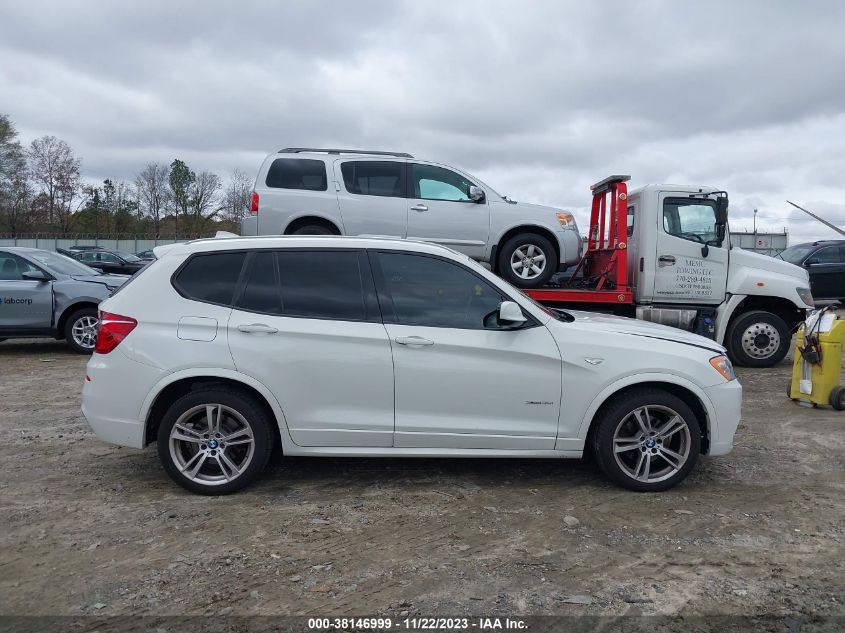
539, 99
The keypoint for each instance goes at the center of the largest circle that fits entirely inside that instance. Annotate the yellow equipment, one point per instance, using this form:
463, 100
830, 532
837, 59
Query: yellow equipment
817, 366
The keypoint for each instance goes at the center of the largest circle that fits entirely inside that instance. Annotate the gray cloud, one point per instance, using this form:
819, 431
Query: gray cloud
539, 99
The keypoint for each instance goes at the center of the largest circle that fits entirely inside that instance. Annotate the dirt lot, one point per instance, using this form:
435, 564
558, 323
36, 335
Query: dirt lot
89, 528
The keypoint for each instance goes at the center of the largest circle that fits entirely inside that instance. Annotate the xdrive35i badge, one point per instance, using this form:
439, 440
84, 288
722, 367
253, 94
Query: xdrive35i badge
538, 402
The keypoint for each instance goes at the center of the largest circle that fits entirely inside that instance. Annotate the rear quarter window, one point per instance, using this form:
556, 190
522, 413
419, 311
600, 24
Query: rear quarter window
211, 278
297, 173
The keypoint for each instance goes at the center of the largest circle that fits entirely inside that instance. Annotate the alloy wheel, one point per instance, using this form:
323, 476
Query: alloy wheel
84, 331
528, 261
651, 443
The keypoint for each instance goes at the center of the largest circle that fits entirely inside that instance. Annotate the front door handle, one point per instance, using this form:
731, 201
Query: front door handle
419, 207
257, 328
668, 260
413, 341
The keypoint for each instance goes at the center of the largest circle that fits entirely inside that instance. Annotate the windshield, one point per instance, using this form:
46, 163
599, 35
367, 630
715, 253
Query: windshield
61, 264
796, 254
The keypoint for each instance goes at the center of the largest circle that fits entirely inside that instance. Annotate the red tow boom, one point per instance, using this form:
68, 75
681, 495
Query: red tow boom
604, 266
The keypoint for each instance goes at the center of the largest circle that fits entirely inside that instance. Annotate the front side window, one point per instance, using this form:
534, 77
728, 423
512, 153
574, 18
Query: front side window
436, 183
210, 277
796, 254
108, 258
827, 255
374, 178
297, 173
690, 219
432, 292
13, 267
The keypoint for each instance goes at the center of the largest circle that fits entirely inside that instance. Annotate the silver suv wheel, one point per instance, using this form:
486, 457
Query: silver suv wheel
528, 261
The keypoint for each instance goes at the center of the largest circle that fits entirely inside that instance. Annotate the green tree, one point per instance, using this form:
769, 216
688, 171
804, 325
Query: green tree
181, 181
15, 190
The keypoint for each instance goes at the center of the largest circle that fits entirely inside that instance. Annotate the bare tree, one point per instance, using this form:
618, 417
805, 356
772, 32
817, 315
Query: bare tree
55, 169
15, 190
152, 185
205, 190
236, 197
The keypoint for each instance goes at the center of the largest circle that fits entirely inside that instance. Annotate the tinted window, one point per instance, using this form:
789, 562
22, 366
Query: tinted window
297, 173
690, 219
210, 277
373, 178
12, 267
795, 254
322, 284
433, 292
261, 291
827, 255
436, 183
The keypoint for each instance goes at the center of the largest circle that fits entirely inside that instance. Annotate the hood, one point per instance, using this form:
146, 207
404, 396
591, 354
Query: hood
516, 206
597, 322
740, 257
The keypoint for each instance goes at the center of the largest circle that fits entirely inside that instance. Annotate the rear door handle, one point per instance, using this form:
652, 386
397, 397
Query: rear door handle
414, 341
419, 207
257, 328
666, 259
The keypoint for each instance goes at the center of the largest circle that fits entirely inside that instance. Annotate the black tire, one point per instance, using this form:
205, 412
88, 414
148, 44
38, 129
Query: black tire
524, 242
212, 478
84, 319
837, 398
618, 413
314, 229
762, 349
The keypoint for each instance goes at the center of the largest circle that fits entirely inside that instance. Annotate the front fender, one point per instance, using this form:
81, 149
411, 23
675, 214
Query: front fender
215, 372
628, 381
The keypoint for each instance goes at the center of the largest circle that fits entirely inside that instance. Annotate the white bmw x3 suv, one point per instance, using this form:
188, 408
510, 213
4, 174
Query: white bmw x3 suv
226, 348
306, 191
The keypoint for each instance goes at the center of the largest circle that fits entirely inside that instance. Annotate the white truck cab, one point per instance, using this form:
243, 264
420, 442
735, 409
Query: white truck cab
670, 247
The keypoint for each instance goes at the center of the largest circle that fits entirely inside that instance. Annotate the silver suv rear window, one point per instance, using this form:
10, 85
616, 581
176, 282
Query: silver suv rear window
297, 173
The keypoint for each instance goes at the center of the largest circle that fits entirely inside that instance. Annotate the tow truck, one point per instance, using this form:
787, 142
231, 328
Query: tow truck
662, 253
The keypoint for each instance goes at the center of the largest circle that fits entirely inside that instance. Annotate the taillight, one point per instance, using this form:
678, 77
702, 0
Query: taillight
253, 203
112, 330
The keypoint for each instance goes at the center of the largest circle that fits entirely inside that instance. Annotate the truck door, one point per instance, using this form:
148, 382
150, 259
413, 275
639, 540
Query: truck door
691, 266
24, 304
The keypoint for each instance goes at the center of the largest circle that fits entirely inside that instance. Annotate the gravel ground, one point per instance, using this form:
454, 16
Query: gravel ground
93, 529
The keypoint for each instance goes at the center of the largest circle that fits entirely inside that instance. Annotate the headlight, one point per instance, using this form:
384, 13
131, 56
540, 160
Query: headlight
806, 296
567, 220
723, 366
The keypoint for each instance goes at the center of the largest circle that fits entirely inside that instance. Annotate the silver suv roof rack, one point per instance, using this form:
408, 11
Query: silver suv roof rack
297, 150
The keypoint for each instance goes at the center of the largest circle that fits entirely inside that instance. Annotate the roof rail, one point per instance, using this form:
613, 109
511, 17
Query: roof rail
297, 150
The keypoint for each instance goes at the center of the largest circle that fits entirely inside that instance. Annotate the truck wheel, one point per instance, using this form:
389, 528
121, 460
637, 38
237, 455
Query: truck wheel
215, 441
837, 398
647, 440
81, 330
527, 260
757, 339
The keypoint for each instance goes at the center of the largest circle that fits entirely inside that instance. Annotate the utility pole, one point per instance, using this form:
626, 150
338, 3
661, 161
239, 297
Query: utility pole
755, 221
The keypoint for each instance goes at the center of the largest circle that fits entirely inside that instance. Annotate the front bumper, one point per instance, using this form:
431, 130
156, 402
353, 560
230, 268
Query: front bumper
725, 413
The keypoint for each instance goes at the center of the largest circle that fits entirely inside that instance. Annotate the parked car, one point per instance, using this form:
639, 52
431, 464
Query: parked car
301, 191
109, 261
342, 346
825, 263
146, 256
45, 294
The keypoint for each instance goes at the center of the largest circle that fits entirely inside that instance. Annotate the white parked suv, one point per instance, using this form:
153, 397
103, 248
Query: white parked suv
342, 346
304, 191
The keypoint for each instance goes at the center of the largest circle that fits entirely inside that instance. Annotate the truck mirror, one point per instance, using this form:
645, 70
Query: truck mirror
720, 233
721, 210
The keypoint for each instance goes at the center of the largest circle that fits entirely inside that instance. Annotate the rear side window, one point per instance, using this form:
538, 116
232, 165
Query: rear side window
211, 278
297, 173
374, 178
309, 284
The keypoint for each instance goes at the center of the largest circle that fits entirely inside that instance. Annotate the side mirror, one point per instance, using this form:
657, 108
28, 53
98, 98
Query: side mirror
721, 210
510, 312
476, 194
35, 275
812, 261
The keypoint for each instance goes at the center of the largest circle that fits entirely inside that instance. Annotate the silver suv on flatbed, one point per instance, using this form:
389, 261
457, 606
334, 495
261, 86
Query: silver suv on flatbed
305, 191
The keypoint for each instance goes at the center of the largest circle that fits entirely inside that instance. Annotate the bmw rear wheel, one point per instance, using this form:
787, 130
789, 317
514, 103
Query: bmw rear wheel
215, 442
